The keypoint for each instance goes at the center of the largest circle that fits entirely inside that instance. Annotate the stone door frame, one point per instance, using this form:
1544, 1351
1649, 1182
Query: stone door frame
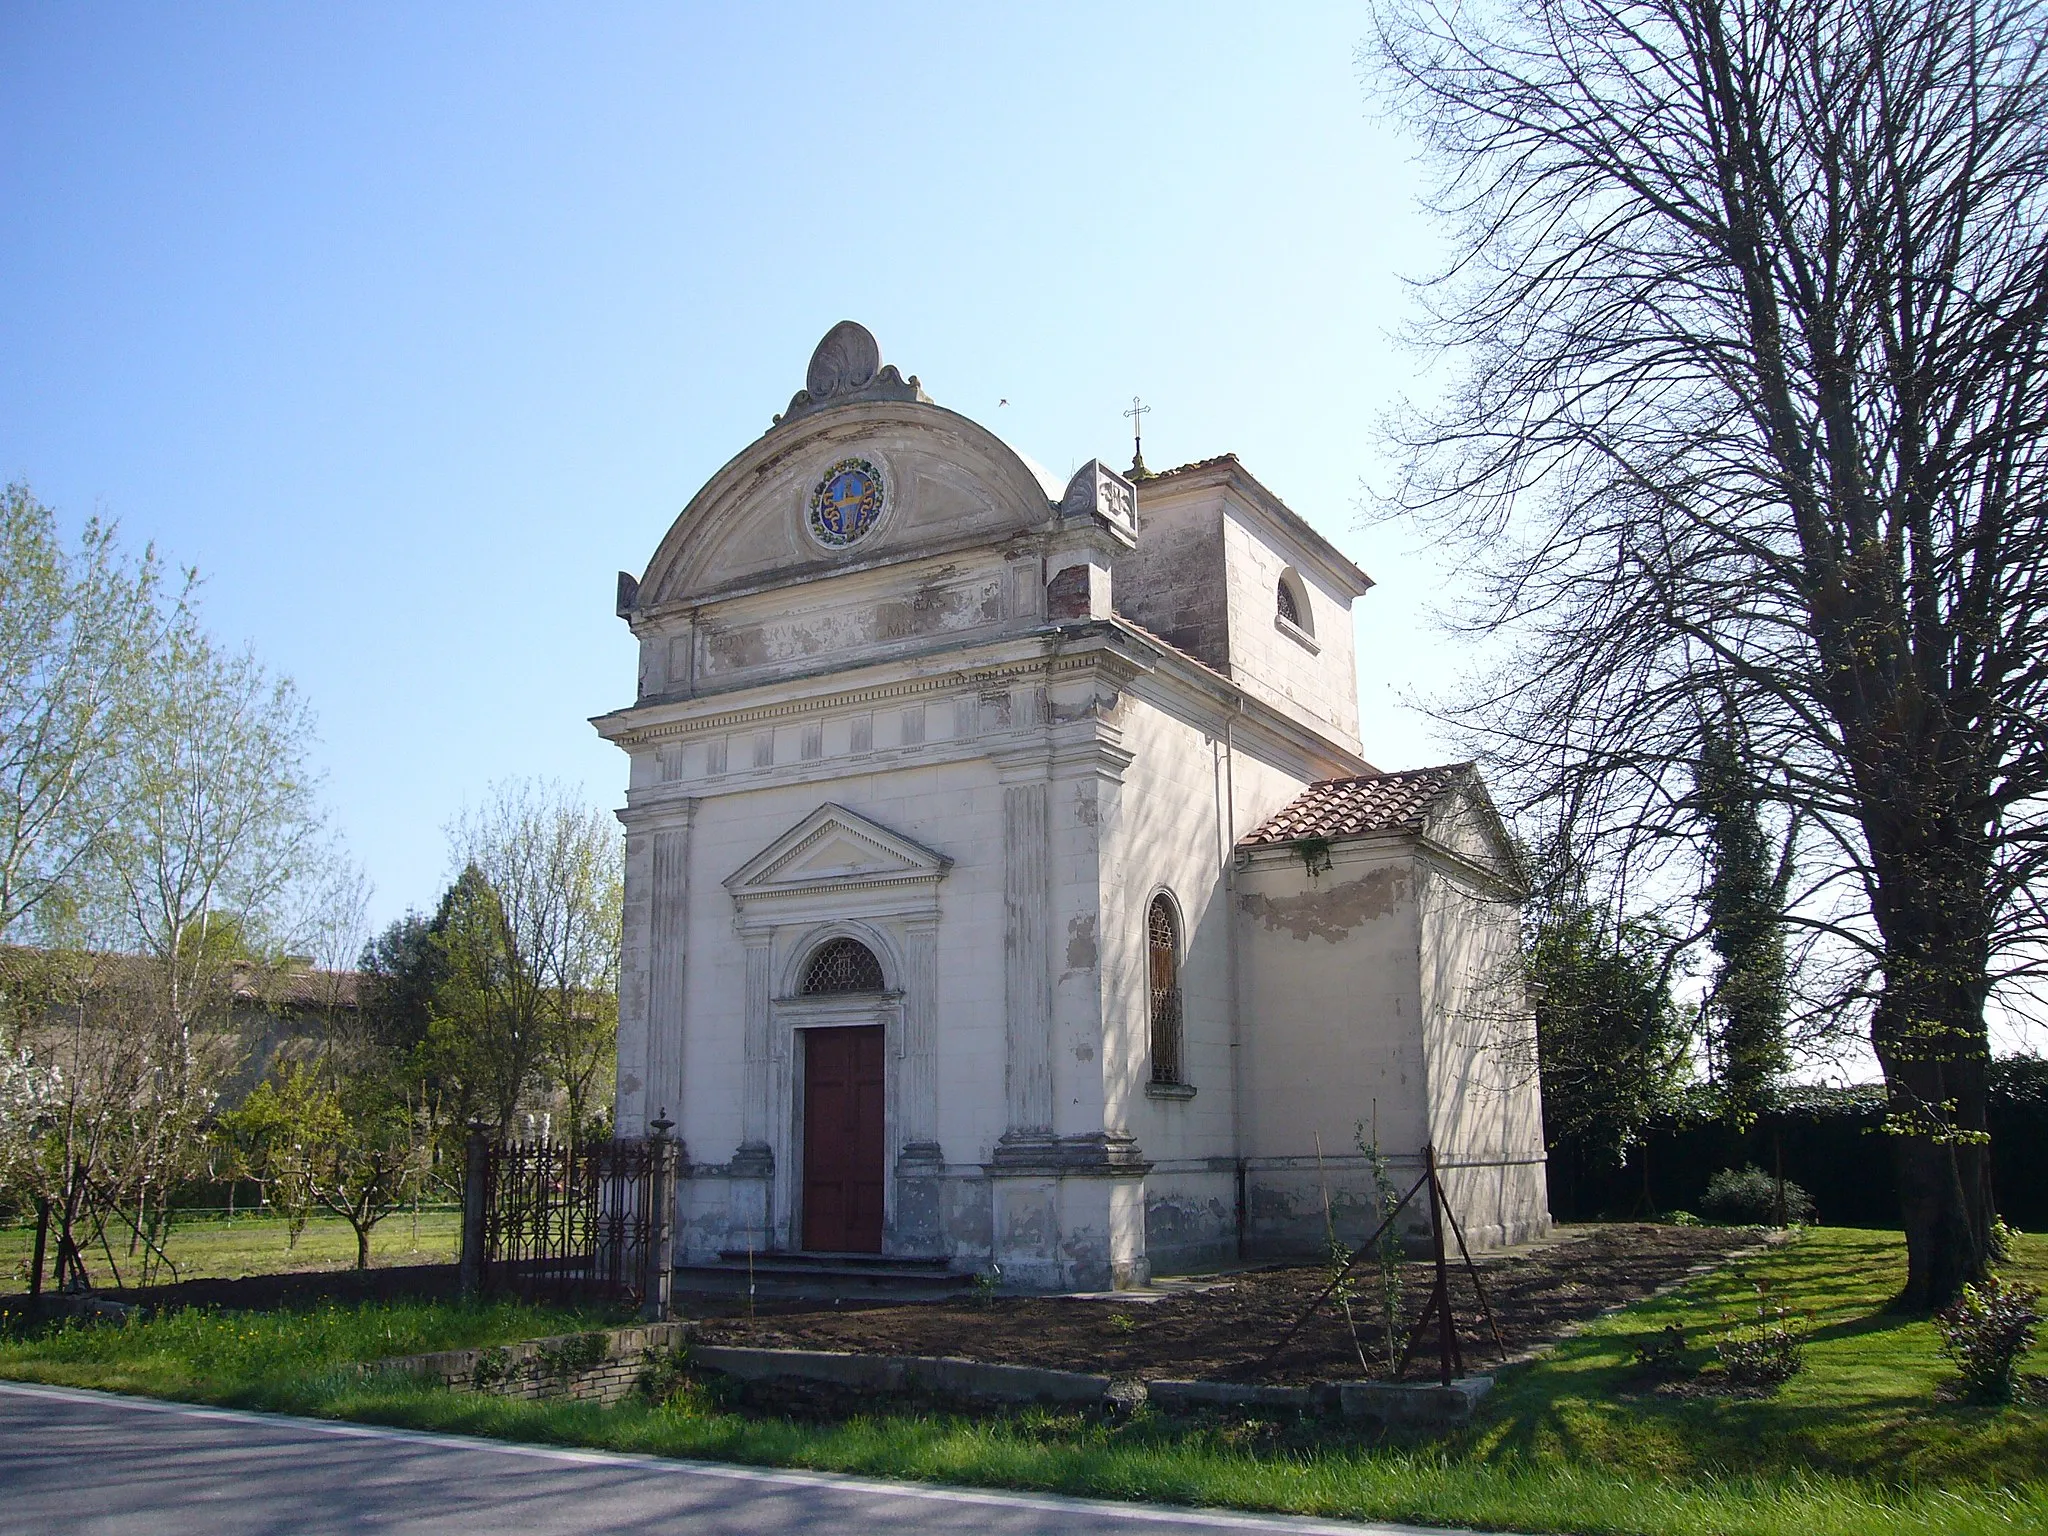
791, 1014
785, 907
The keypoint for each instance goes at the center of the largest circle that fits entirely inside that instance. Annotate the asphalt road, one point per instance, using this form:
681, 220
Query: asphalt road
95, 1464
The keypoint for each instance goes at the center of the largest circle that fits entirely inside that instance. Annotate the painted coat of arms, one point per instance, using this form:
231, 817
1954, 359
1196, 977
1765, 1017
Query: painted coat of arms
847, 503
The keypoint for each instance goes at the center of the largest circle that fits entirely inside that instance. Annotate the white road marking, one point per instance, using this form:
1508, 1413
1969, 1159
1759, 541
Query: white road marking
1210, 1519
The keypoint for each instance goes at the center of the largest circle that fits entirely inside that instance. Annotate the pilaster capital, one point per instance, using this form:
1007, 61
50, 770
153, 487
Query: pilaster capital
1096, 750
646, 812
1025, 763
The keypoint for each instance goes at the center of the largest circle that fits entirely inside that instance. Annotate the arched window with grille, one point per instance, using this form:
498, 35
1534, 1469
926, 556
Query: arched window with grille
1288, 605
841, 965
1162, 945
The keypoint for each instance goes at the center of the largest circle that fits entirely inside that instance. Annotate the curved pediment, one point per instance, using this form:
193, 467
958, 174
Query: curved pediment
911, 478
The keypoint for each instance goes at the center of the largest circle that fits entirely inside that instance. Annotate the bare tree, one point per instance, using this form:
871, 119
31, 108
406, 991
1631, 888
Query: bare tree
1750, 299
221, 828
113, 1100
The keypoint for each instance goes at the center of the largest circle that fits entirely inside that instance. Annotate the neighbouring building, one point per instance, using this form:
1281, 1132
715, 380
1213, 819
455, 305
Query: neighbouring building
1005, 882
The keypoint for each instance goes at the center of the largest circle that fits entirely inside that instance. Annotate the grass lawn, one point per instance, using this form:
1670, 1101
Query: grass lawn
220, 1247
1856, 1443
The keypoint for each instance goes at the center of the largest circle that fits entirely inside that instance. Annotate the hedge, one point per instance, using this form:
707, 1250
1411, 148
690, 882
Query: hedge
1831, 1142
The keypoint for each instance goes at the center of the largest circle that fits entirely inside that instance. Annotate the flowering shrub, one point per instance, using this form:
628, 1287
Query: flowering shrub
1985, 1332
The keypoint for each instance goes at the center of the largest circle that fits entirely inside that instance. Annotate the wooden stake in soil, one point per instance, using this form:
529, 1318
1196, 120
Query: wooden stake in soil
1448, 1353
1324, 1295
1439, 1302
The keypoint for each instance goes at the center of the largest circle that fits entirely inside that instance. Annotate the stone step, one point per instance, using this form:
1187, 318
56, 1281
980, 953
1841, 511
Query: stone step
824, 1276
850, 1262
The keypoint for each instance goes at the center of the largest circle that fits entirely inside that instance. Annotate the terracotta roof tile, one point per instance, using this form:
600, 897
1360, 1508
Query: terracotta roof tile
1151, 637
291, 985
1372, 802
1186, 469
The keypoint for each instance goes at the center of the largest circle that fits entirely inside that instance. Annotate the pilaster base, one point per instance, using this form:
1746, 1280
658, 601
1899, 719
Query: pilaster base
1069, 1212
752, 1175
918, 1230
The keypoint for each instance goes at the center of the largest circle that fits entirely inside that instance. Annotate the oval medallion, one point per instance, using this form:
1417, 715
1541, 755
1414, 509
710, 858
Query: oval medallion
847, 503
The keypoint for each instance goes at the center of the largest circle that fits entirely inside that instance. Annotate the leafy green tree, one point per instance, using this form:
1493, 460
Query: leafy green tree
222, 832
370, 1155
159, 844
268, 1135
401, 972
529, 935
78, 627
483, 1038
336, 1133
1612, 1046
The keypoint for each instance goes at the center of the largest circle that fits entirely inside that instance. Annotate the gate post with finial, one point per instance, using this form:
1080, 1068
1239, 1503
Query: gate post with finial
658, 1288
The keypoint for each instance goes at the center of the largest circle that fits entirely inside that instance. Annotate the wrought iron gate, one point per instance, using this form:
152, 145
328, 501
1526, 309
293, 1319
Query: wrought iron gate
558, 1221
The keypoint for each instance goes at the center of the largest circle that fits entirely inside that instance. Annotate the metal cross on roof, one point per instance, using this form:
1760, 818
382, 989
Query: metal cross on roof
1137, 414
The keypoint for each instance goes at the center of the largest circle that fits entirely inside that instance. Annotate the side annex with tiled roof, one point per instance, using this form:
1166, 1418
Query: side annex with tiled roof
1380, 938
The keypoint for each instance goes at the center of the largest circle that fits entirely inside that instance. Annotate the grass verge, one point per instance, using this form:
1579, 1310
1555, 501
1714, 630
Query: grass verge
1855, 1443
215, 1246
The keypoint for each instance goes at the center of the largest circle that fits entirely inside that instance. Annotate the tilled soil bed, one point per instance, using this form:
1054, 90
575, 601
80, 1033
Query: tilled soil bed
1223, 1333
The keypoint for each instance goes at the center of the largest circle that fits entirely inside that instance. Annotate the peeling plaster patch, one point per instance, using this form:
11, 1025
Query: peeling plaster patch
628, 1083
1084, 1053
1081, 950
1086, 811
1330, 914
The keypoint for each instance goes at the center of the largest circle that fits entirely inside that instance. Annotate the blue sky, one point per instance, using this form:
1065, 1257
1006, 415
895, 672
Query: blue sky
409, 326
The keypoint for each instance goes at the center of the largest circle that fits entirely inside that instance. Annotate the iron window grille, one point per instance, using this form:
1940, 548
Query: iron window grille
1162, 942
842, 965
1289, 609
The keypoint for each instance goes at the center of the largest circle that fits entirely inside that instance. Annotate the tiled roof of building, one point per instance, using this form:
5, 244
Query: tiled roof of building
1373, 802
1188, 469
1151, 637
1263, 494
290, 985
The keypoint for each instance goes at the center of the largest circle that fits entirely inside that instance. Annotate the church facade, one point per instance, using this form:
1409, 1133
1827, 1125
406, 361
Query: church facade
1005, 883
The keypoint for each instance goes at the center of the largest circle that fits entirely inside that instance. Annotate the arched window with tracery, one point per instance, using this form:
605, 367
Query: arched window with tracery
841, 965
1162, 945
1288, 605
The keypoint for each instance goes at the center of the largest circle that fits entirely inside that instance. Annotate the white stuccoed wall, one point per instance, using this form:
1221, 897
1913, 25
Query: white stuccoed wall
1016, 774
1385, 990
1485, 1104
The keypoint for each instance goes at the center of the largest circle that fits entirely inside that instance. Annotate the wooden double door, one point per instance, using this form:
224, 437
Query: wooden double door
843, 1140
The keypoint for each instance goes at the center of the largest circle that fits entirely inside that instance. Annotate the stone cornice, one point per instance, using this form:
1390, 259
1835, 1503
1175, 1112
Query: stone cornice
1451, 861
877, 882
1121, 655
671, 812
646, 724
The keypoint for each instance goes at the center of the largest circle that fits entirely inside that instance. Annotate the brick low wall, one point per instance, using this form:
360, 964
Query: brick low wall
605, 1367
600, 1367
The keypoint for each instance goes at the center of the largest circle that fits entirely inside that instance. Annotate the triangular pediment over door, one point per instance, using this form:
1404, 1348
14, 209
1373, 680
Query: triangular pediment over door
839, 853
